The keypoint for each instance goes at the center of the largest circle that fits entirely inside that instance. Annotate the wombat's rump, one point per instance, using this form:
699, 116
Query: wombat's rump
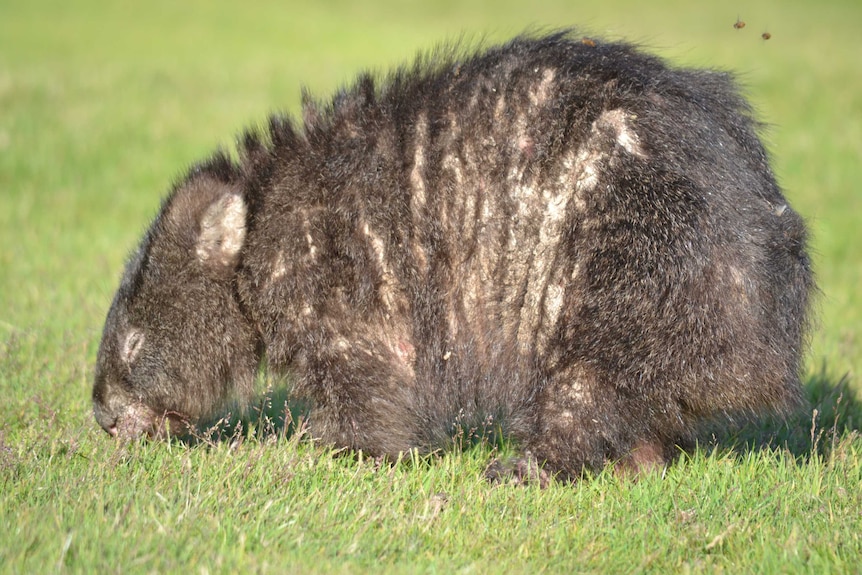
567, 238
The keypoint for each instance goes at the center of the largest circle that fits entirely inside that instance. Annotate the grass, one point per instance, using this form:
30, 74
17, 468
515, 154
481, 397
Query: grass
103, 104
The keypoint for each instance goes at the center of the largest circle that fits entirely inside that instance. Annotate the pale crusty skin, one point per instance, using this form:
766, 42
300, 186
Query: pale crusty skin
568, 239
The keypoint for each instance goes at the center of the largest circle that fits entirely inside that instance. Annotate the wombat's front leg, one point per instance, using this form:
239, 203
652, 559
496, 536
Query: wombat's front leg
362, 395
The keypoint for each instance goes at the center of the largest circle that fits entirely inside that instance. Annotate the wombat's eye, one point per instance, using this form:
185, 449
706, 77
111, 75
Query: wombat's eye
132, 345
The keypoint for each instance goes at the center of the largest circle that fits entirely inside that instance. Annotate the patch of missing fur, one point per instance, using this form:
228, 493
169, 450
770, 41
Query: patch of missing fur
341, 344
553, 303
388, 289
539, 92
279, 267
566, 408
543, 297
453, 165
417, 174
740, 284
419, 257
406, 353
312, 248
588, 174
575, 391
464, 214
527, 146
618, 122
377, 246
418, 189
736, 275
779, 210
500, 109
543, 209
610, 129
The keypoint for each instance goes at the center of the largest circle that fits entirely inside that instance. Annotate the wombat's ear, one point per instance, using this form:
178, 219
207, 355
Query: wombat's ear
132, 342
222, 232
206, 215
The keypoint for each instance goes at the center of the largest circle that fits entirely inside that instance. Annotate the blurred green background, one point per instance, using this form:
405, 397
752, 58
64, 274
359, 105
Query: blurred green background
103, 104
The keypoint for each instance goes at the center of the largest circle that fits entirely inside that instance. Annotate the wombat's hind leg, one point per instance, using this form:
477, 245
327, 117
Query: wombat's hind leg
582, 423
645, 456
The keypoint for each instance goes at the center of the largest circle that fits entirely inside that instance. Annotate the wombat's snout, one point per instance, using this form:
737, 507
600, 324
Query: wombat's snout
107, 425
106, 417
107, 420
120, 416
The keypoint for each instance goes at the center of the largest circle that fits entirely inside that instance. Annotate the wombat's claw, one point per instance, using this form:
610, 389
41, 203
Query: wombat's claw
518, 471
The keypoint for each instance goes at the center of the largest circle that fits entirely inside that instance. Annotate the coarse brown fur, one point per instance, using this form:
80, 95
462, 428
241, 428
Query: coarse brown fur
570, 239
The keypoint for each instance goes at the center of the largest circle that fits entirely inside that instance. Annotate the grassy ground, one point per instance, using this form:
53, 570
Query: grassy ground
103, 103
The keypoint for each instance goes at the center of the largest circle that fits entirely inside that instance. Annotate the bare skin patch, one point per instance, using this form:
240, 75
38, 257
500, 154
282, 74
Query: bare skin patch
418, 188
539, 312
417, 174
553, 305
453, 166
539, 92
279, 267
612, 128
312, 248
588, 174
500, 109
377, 247
572, 394
619, 121
527, 146
389, 290
736, 275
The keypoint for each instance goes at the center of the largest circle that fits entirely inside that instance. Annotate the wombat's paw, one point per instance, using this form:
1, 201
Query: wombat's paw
518, 471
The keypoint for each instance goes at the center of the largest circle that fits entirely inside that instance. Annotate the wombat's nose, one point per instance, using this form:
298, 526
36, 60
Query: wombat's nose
105, 419
109, 426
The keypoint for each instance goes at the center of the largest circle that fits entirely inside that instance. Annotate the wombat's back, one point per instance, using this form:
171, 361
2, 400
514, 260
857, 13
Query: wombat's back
570, 236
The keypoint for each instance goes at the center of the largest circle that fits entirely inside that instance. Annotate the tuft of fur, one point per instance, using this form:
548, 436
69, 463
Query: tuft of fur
569, 239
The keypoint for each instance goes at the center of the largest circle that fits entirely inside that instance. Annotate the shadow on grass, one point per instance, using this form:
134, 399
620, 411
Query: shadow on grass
271, 415
833, 412
274, 415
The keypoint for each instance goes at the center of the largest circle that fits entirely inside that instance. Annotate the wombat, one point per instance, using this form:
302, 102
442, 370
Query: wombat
565, 237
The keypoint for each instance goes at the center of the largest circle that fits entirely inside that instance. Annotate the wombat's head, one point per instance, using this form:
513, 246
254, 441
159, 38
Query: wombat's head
176, 343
